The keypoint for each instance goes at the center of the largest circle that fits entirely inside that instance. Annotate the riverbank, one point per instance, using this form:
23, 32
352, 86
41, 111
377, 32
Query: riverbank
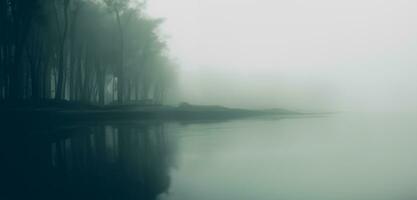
64, 111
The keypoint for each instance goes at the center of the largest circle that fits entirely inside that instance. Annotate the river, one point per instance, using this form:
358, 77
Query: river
337, 157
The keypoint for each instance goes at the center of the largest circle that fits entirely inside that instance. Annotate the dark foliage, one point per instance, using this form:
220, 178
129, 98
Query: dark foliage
81, 50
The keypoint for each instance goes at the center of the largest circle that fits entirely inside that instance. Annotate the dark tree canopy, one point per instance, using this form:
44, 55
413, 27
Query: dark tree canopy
95, 51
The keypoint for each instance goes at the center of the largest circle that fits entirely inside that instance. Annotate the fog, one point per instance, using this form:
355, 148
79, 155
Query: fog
310, 55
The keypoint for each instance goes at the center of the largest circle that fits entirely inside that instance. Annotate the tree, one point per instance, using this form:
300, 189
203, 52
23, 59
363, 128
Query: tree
66, 50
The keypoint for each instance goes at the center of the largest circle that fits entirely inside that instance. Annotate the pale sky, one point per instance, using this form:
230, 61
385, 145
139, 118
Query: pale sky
302, 54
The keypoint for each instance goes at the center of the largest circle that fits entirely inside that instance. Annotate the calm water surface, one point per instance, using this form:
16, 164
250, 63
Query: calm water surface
346, 157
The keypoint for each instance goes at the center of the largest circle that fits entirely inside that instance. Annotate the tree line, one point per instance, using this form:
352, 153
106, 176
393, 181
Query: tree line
95, 51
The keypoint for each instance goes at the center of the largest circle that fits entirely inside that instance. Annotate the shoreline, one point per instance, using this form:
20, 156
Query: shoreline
84, 113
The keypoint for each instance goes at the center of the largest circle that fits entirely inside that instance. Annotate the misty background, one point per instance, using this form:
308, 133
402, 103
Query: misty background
356, 55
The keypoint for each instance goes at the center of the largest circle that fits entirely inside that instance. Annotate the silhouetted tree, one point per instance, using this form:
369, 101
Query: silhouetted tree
96, 51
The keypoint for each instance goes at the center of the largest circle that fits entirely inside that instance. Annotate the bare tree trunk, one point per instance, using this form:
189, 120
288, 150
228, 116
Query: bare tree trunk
60, 88
120, 80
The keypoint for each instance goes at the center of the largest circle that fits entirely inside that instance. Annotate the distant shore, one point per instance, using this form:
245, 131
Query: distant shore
73, 112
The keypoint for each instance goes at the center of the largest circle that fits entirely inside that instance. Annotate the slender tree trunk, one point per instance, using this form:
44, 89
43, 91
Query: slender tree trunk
60, 88
120, 80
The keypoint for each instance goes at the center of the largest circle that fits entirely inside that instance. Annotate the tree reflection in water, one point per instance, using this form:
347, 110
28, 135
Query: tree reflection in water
102, 162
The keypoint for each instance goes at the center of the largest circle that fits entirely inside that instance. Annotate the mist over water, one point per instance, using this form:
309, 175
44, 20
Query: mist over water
173, 100
316, 55
343, 157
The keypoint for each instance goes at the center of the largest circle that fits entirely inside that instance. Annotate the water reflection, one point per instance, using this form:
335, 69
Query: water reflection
101, 162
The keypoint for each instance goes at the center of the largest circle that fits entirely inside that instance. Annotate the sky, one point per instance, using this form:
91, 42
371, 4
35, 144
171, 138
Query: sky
332, 55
